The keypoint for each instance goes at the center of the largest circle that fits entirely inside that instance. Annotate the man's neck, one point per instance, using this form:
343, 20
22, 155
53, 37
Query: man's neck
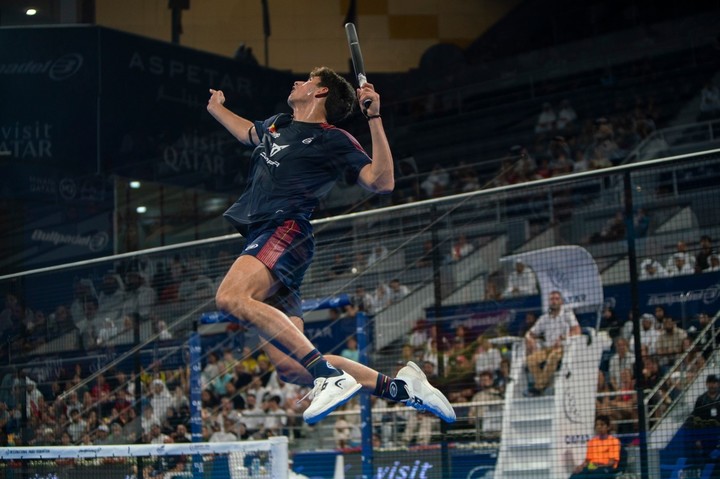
310, 113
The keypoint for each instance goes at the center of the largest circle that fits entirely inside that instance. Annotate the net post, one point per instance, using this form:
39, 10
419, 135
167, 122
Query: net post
279, 455
365, 406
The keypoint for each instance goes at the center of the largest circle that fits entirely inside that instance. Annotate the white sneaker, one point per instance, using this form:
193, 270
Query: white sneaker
329, 394
423, 396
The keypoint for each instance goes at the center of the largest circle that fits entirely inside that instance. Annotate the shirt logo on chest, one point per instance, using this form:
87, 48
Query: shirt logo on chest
276, 148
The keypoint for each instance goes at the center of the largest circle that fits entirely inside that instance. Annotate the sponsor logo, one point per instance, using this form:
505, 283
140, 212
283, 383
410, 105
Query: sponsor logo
393, 390
417, 470
559, 278
277, 149
268, 160
708, 296
94, 242
307, 141
252, 246
59, 69
180, 70
339, 382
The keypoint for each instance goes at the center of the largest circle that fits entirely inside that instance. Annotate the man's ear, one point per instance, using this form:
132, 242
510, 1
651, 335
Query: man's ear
322, 93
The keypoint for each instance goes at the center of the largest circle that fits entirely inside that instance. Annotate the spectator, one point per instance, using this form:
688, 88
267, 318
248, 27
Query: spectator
83, 290
486, 358
397, 291
669, 343
680, 267
419, 336
436, 182
602, 454
195, 284
566, 117
621, 360
651, 269
160, 399
461, 248
60, 321
275, 417
341, 433
89, 324
651, 377
253, 415
211, 369
116, 436
102, 435
111, 298
156, 436
714, 264
381, 298
704, 423
555, 326
681, 250
581, 162
521, 282
223, 430
148, 419
377, 254
546, 120
77, 426
641, 222
107, 331
139, 296
610, 322
525, 164
624, 403
702, 259
363, 300
351, 349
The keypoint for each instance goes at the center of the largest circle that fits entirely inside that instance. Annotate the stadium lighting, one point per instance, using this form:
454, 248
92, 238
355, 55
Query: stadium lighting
134, 184
30, 12
141, 209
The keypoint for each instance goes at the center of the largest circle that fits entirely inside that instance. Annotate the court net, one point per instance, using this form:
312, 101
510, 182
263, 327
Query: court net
227, 460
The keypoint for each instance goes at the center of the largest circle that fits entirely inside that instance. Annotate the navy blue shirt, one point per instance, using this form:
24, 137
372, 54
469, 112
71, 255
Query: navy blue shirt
295, 165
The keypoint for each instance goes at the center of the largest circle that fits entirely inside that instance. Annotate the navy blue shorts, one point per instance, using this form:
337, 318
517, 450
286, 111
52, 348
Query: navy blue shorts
287, 250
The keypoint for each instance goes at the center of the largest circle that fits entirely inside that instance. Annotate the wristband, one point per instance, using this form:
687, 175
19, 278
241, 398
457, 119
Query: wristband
371, 117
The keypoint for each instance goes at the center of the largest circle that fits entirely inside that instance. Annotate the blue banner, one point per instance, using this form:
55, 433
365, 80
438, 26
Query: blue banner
195, 387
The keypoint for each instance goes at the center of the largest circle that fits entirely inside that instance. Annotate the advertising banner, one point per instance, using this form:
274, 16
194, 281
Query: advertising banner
571, 270
155, 123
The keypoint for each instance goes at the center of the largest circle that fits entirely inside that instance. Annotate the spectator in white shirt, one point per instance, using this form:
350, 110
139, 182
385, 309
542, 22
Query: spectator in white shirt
461, 248
397, 291
681, 250
521, 282
680, 266
651, 269
566, 116
648, 333
554, 327
546, 119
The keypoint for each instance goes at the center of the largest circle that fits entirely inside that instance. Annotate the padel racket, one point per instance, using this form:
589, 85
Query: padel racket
357, 58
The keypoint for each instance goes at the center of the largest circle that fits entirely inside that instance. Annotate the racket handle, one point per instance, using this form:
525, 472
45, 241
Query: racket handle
361, 81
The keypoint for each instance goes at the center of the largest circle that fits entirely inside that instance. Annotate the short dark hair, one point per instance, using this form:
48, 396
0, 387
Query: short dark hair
604, 419
340, 100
